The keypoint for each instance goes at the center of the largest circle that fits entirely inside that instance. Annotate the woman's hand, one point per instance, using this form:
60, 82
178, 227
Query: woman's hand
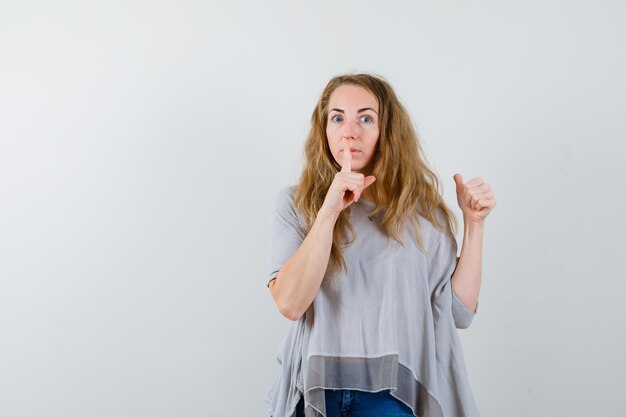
347, 186
475, 198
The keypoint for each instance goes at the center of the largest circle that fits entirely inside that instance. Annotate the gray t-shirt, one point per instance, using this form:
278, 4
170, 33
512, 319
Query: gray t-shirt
390, 322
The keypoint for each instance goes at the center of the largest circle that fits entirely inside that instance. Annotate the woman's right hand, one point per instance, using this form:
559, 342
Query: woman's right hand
347, 186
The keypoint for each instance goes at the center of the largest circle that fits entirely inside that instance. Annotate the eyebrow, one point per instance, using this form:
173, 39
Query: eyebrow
359, 111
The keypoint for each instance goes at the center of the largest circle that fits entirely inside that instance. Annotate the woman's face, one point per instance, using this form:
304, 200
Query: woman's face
353, 114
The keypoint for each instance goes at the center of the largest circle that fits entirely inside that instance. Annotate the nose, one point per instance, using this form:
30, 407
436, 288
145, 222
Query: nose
349, 129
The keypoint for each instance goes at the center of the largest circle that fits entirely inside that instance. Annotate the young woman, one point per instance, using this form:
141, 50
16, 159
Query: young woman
363, 259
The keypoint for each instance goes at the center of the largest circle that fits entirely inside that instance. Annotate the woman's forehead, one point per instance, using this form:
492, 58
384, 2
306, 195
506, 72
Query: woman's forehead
352, 97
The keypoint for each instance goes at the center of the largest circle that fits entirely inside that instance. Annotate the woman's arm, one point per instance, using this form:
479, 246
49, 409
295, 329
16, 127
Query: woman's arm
300, 278
467, 276
476, 200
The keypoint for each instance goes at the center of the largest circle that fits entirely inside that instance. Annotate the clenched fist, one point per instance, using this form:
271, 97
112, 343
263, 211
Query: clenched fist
475, 199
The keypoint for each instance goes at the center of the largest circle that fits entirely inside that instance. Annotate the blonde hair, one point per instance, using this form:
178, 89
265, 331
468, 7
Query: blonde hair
403, 177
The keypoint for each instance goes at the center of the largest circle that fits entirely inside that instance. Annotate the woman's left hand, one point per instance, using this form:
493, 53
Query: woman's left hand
475, 198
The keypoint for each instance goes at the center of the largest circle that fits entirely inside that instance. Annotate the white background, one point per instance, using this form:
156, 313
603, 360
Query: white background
142, 144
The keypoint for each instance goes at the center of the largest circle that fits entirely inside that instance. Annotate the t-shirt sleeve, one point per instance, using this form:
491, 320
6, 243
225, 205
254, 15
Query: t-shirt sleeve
286, 232
443, 265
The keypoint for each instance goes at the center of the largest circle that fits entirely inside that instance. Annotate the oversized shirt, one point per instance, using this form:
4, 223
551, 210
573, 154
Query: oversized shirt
389, 322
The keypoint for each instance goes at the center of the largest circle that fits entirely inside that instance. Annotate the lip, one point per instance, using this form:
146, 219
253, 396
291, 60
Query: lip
352, 150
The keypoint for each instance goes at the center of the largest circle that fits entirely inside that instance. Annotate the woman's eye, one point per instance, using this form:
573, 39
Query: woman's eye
367, 119
336, 118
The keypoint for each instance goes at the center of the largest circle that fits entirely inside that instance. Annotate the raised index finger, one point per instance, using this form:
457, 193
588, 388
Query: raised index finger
347, 157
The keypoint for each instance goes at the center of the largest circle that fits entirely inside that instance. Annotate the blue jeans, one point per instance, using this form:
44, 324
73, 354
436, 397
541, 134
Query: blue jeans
354, 403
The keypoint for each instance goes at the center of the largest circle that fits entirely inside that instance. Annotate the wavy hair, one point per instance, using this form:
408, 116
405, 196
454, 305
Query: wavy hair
403, 177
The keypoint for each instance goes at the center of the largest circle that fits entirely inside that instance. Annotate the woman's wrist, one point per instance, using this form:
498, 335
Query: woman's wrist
325, 216
473, 225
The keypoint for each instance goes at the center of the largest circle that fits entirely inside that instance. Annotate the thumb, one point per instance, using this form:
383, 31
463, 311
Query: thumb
458, 179
367, 181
